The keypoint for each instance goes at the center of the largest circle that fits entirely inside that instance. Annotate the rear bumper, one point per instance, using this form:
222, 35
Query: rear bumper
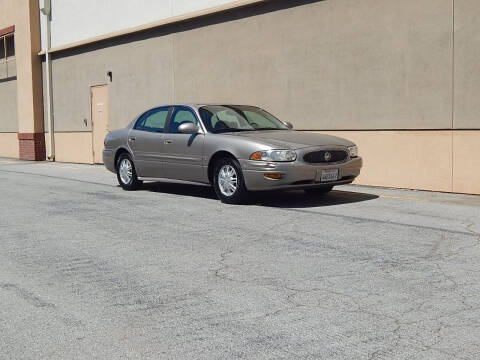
296, 175
109, 160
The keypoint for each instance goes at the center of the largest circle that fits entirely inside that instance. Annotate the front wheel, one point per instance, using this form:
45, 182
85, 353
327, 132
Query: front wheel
126, 174
319, 191
228, 182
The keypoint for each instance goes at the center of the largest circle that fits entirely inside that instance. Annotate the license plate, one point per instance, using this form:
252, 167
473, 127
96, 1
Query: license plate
329, 175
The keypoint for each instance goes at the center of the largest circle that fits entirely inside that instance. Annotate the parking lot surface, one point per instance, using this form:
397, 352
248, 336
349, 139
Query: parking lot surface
88, 270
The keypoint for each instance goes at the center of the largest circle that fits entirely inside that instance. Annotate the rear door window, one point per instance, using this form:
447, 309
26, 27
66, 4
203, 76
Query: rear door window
153, 120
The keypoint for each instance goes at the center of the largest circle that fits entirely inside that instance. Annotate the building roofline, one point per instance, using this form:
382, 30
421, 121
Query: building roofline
154, 24
7, 30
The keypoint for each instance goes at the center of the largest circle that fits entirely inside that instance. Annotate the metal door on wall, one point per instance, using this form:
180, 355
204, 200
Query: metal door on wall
100, 120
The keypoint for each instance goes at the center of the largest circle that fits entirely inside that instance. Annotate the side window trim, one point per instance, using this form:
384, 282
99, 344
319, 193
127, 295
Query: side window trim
140, 119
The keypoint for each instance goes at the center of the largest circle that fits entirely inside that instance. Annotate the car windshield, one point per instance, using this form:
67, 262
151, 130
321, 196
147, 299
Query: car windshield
229, 118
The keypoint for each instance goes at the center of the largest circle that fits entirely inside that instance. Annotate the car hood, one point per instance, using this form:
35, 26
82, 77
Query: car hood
293, 139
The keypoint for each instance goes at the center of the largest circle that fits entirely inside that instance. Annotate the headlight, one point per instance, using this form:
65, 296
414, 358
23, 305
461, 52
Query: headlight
353, 151
274, 155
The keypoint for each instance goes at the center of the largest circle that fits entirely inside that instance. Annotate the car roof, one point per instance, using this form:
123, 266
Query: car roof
199, 105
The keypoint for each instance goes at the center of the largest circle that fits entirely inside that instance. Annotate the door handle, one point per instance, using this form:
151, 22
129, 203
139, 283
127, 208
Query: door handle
131, 139
166, 142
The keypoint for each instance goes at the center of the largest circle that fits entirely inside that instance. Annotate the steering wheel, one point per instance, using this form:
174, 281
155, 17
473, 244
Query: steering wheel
220, 125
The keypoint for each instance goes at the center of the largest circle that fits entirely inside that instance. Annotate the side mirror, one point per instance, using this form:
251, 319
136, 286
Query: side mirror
289, 124
188, 128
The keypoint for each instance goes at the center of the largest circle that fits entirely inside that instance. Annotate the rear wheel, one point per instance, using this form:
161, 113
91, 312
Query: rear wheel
228, 181
126, 174
319, 191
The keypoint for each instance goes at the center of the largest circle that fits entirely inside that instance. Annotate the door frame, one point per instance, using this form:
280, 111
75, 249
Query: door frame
91, 115
174, 164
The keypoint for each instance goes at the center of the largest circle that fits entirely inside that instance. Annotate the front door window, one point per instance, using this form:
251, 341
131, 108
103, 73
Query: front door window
181, 116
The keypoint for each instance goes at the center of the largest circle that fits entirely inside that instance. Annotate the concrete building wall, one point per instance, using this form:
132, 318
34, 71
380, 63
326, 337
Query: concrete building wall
141, 78
27, 82
341, 64
8, 101
8, 118
466, 165
9, 145
391, 76
415, 159
74, 20
390, 71
467, 68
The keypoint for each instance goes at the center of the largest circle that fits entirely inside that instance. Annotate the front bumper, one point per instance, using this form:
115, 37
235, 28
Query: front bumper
296, 174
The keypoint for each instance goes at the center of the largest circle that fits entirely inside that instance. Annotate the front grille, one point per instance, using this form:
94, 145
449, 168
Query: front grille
318, 157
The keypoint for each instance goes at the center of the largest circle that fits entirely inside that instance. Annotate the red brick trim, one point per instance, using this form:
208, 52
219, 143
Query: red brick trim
32, 146
7, 30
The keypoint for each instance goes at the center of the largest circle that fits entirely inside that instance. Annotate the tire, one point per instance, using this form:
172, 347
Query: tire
126, 174
228, 171
319, 191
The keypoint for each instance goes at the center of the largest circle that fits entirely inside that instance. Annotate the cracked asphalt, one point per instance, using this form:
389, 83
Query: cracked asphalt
88, 270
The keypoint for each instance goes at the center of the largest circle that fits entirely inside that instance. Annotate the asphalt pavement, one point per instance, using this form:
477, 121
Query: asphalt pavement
89, 271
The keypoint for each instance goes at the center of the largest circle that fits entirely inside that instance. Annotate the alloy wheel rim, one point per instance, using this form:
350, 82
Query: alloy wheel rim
125, 171
227, 180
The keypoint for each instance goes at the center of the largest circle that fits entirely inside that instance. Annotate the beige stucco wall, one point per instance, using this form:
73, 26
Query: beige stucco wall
142, 78
390, 68
467, 69
8, 106
24, 14
74, 147
466, 164
428, 160
343, 64
382, 68
406, 159
8, 69
9, 145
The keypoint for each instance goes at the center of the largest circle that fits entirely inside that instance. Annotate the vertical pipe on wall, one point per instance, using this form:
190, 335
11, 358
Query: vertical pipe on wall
46, 11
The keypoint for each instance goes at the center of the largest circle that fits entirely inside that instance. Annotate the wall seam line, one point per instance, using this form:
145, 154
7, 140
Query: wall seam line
173, 56
173, 68
453, 88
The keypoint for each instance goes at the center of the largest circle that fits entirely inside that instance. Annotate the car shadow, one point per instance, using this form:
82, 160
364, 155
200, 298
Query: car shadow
299, 199
280, 199
199, 191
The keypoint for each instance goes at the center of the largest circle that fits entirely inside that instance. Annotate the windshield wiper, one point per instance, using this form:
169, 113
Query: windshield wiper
232, 130
270, 129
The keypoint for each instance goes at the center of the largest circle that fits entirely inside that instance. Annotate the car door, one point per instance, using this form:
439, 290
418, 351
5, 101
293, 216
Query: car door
183, 152
146, 141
